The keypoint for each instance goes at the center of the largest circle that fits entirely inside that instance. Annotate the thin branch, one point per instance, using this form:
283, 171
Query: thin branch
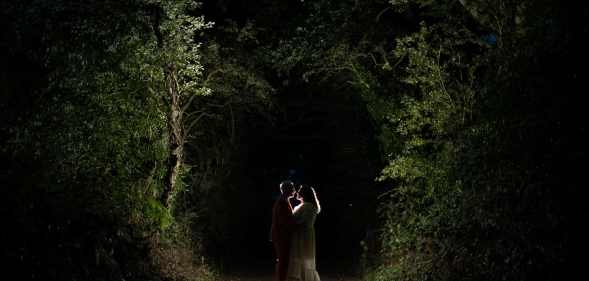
232, 138
185, 106
191, 125
440, 79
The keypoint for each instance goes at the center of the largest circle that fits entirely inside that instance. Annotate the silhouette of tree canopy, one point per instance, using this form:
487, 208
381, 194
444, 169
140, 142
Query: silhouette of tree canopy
129, 129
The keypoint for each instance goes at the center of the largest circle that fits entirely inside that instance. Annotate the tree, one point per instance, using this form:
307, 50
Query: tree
175, 31
89, 114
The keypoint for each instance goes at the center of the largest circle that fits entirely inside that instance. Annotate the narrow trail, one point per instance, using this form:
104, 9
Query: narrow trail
265, 272
269, 277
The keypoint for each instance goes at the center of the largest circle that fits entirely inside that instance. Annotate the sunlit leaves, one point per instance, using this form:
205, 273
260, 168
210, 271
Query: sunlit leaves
461, 169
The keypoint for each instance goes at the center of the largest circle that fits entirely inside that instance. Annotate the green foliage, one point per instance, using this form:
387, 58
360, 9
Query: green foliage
217, 126
464, 94
461, 209
88, 141
474, 103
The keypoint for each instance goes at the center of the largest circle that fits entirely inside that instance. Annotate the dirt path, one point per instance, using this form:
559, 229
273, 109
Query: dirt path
263, 271
252, 277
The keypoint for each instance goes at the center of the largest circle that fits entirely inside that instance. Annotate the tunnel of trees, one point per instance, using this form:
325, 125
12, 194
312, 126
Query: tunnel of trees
307, 143
315, 137
145, 139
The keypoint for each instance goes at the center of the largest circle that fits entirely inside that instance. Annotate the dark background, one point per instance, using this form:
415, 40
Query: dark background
322, 139
84, 160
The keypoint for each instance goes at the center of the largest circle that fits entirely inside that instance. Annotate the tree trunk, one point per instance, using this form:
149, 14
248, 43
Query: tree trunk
175, 138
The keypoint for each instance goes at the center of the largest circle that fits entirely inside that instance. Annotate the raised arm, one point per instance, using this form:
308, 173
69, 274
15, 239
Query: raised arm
300, 214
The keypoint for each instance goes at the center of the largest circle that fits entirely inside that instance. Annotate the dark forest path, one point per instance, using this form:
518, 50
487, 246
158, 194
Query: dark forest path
245, 276
265, 271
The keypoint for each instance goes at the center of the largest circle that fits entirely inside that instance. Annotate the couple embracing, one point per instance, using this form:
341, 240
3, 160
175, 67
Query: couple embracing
293, 233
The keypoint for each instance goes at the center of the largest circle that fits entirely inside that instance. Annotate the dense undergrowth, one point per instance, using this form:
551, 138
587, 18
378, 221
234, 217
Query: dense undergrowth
474, 103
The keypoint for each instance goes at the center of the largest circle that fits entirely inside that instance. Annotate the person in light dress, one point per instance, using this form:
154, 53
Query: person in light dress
301, 262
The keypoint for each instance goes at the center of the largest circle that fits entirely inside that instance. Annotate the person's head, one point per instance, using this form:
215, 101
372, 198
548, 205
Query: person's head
307, 194
287, 188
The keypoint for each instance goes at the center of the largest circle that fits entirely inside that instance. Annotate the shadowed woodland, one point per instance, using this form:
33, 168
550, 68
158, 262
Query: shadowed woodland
145, 139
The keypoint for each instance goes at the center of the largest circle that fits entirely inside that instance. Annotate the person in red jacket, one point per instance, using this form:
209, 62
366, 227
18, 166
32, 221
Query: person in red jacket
282, 227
